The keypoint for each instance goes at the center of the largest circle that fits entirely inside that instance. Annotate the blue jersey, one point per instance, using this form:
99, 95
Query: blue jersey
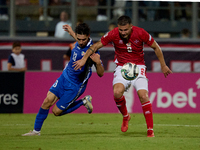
78, 76
72, 83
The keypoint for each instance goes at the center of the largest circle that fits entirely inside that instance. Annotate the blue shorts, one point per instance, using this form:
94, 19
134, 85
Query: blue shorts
66, 91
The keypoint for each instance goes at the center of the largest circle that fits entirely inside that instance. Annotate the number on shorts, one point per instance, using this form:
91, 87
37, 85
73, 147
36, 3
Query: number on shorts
142, 71
55, 84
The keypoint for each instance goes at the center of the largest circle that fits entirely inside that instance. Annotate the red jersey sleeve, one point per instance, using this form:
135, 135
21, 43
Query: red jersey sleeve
147, 38
108, 37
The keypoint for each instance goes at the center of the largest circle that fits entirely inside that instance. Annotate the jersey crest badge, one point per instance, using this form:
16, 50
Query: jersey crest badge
136, 41
82, 53
128, 44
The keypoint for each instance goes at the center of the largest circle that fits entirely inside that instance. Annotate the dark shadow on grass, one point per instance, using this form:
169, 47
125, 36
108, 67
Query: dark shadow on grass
81, 133
96, 133
134, 134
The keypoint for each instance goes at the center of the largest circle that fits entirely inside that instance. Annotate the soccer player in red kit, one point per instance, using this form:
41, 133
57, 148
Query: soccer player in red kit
128, 41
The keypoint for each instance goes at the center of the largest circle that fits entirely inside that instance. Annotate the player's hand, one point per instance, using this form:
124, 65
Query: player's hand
78, 64
96, 58
68, 28
166, 71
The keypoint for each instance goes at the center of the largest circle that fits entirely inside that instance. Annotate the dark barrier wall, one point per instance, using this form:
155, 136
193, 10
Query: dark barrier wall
11, 92
37, 51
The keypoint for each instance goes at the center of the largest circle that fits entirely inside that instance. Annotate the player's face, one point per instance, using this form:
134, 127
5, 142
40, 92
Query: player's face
17, 50
125, 30
82, 40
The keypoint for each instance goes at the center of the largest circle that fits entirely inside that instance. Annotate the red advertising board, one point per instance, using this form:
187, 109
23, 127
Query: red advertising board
178, 93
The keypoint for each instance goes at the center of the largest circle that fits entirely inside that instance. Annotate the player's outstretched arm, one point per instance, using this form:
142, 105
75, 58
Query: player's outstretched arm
68, 28
80, 63
165, 69
100, 69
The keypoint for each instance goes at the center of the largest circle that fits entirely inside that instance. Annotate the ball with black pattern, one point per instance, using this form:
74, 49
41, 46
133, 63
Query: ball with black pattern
129, 71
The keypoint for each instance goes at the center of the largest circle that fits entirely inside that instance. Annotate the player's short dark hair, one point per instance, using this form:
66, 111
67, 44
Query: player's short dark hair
16, 44
82, 29
124, 20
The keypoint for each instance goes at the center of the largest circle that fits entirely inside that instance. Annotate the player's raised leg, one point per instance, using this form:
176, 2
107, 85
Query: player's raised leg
86, 101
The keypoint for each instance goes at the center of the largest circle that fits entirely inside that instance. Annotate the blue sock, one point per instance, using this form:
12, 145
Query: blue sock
73, 107
41, 116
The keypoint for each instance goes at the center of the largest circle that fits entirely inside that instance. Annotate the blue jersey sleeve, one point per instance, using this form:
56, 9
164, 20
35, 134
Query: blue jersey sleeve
11, 60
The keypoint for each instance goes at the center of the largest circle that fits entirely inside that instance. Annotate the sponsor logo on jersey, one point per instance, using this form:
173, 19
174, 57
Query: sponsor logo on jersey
120, 42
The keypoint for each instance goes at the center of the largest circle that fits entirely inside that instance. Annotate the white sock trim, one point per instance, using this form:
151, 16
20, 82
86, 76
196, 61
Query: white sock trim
150, 129
36, 131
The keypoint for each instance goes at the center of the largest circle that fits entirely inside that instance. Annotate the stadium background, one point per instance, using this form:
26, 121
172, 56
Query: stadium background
177, 94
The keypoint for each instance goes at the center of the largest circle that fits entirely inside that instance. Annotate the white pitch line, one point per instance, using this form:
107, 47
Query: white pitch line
15, 124
169, 125
177, 125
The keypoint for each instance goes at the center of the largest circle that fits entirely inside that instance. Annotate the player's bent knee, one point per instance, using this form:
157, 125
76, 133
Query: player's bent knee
118, 90
46, 104
56, 111
143, 98
118, 93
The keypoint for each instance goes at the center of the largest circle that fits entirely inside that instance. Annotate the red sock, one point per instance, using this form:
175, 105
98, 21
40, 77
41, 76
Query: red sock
148, 114
121, 104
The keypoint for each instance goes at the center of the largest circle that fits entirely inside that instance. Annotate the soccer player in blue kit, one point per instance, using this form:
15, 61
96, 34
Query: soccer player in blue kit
72, 83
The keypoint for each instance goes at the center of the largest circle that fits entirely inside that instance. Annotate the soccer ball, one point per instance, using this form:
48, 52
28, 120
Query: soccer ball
129, 71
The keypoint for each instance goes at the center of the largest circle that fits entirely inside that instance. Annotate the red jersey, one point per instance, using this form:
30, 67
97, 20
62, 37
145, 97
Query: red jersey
130, 50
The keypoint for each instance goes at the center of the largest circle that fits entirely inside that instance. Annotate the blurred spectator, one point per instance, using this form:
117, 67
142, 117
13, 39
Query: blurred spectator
185, 33
198, 35
179, 13
3, 11
59, 32
188, 10
128, 11
151, 13
41, 2
183, 12
111, 26
102, 16
16, 58
119, 8
102, 12
163, 13
55, 2
41, 11
41, 16
141, 12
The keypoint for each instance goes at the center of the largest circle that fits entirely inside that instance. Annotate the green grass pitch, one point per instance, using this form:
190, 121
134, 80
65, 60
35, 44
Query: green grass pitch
100, 132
